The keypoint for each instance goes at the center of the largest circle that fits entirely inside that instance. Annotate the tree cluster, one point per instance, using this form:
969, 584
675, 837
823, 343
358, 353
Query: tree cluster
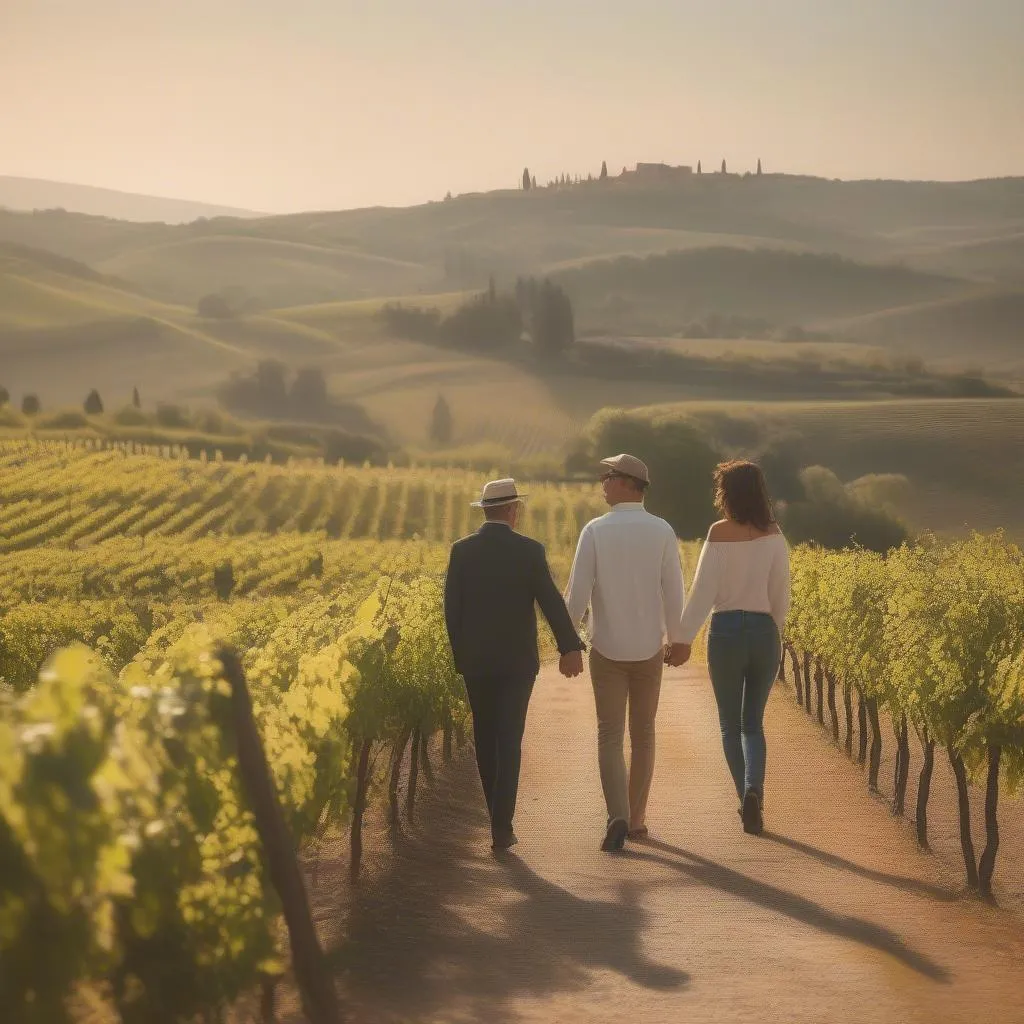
272, 391
678, 454
538, 313
547, 315
823, 511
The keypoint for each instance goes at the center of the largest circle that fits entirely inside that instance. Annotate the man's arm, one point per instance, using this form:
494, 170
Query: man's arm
673, 590
453, 603
581, 577
553, 607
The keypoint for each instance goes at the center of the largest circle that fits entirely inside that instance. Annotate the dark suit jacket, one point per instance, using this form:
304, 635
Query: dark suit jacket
494, 577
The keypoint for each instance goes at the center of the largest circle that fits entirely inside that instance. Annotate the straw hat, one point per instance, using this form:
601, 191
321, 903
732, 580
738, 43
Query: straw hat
498, 492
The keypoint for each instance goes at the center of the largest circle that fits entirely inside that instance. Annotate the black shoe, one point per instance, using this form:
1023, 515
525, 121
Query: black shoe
505, 841
615, 837
753, 820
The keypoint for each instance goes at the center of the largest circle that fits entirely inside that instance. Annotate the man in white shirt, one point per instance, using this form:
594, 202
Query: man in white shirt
627, 570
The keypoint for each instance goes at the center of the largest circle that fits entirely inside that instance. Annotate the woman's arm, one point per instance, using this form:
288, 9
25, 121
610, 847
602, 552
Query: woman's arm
702, 595
778, 585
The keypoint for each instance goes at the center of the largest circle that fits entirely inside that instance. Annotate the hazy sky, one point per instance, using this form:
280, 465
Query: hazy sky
283, 105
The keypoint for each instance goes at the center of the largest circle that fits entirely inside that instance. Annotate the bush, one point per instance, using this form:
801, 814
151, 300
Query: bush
679, 456
837, 517
31, 406
213, 421
340, 444
887, 491
173, 416
64, 419
5, 397
130, 416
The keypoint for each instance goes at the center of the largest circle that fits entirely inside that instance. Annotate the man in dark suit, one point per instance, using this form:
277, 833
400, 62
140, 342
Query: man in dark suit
494, 577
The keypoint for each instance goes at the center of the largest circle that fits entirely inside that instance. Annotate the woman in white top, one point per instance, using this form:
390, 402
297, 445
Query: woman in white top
742, 579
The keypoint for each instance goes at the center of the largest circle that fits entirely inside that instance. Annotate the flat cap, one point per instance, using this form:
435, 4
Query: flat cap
630, 465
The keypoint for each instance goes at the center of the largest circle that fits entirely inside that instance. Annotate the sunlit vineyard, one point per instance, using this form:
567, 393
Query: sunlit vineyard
76, 494
131, 867
128, 850
931, 637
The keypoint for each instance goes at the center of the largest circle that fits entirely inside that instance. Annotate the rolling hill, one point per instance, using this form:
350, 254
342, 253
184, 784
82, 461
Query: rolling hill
884, 269
781, 287
65, 328
456, 244
39, 194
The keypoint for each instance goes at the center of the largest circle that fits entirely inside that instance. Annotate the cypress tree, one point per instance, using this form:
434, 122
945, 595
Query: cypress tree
441, 422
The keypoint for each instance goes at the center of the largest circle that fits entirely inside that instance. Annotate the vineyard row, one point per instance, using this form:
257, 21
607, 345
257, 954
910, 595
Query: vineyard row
931, 636
73, 494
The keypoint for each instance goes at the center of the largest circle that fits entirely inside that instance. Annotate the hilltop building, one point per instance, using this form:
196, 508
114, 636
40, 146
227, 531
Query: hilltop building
661, 170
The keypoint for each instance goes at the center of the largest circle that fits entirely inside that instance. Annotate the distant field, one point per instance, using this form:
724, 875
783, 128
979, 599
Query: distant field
984, 329
773, 351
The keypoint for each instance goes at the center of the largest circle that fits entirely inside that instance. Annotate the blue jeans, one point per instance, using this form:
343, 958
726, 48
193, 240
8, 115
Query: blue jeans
744, 649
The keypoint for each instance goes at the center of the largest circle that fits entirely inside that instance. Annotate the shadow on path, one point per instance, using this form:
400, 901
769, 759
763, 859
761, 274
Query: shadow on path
452, 929
792, 905
901, 882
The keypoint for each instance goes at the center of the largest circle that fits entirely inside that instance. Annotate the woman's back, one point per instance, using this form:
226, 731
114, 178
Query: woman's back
740, 569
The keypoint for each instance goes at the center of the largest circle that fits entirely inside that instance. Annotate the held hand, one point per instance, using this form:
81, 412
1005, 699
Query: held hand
678, 654
571, 664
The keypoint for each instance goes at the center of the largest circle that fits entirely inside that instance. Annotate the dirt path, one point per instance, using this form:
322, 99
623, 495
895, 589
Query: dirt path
832, 915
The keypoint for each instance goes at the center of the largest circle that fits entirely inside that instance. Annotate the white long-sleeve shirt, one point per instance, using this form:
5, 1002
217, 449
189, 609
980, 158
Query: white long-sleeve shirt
627, 570
743, 575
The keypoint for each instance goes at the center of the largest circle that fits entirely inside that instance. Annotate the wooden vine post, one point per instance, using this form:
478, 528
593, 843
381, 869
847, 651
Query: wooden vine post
319, 999
359, 808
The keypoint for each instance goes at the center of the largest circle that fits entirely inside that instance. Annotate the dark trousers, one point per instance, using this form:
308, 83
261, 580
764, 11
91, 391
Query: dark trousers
499, 704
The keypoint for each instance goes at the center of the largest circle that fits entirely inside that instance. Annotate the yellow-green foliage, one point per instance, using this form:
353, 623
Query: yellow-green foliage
55, 491
934, 632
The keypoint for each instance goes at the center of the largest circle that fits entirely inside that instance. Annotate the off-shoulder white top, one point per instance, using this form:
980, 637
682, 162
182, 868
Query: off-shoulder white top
741, 575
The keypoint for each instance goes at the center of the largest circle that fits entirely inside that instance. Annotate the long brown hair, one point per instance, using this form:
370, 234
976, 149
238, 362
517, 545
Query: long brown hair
741, 494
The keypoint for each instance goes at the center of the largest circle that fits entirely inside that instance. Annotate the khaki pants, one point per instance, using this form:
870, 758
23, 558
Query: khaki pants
616, 684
